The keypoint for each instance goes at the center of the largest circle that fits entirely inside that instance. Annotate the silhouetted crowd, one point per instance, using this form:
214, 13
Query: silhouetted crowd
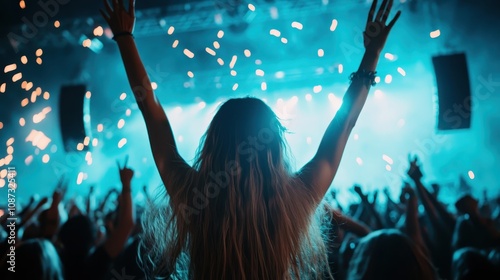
414, 236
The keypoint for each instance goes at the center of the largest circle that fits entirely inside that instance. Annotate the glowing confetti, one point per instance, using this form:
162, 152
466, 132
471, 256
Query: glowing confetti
95, 142
100, 127
2, 184
86, 141
121, 123
17, 77
263, 86
259, 72
28, 86
188, 53
202, 105
321, 52
80, 147
28, 160
388, 167
79, 178
45, 158
220, 34
359, 161
33, 97
38, 139
388, 79
220, 61
233, 73
377, 79
216, 45
235, 86
22, 4
154, 85
10, 141
24, 59
317, 89
251, 7
57, 24
279, 75
341, 68
387, 159
3, 173
401, 71
210, 51
10, 67
123, 96
128, 112
275, 32
389, 56
471, 175
37, 118
435, 34
297, 25
39, 52
233, 61
309, 97
170, 30
8, 159
2, 87
175, 44
86, 43
247, 53
334, 24
258, 61
1, 125
284, 40
22, 122
190, 74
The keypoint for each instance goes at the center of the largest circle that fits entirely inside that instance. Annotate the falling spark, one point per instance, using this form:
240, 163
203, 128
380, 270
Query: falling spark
275, 32
220, 34
402, 71
121, 123
188, 53
388, 79
251, 7
471, 175
216, 45
263, 86
297, 25
259, 72
220, 61
334, 24
45, 158
247, 53
233, 61
17, 77
321, 52
10, 67
170, 30
387, 159
389, 56
175, 44
284, 40
235, 86
190, 74
359, 161
210, 51
435, 34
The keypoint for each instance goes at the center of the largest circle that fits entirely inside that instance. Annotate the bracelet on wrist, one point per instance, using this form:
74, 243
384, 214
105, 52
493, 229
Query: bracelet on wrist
125, 33
368, 76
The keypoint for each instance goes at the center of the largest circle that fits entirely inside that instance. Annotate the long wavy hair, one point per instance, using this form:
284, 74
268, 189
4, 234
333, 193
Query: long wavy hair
241, 214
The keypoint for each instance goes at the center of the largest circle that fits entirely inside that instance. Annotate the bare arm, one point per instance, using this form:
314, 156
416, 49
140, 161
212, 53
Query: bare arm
320, 171
116, 241
161, 138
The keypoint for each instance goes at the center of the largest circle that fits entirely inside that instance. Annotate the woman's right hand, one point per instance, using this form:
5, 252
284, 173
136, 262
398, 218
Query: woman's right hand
118, 18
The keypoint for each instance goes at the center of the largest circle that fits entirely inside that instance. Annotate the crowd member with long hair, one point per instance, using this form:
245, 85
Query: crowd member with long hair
240, 212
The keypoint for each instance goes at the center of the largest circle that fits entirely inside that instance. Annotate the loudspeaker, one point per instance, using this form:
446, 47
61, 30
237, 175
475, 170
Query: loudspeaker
71, 116
454, 96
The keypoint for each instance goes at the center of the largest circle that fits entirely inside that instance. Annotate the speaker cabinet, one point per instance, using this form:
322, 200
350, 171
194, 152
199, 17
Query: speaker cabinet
71, 102
454, 96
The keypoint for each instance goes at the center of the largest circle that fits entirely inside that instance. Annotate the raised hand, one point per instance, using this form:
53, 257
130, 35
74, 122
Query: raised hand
118, 18
126, 173
414, 170
377, 31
